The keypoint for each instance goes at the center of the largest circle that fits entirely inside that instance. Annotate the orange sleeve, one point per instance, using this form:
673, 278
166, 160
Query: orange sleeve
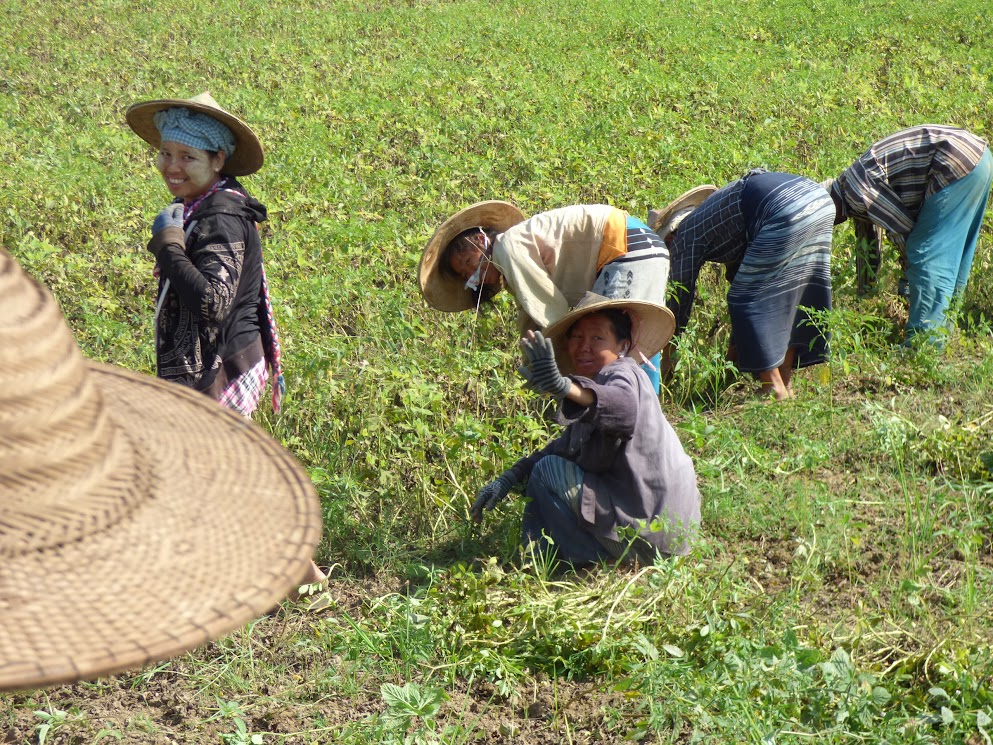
615, 238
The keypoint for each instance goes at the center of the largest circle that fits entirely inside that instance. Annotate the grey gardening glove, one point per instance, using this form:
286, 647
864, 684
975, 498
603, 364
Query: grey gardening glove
525, 372
170, 217
544, 373
489, 495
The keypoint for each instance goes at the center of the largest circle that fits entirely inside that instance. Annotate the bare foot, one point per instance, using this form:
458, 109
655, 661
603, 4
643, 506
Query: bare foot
772, 382
786, 369
314, 581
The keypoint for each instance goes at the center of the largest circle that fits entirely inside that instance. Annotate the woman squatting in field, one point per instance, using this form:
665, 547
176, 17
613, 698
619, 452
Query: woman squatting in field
616, 484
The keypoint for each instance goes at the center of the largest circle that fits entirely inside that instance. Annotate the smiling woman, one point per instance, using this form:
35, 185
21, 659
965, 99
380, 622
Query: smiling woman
189, 171
616, 484
214, 327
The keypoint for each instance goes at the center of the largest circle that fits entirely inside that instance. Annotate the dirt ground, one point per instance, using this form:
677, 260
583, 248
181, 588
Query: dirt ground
164, 708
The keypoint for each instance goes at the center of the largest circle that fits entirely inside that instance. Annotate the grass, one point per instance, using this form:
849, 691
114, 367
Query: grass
841, 590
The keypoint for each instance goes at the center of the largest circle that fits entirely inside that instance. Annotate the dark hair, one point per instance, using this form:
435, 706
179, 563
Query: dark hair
619, 320
468, 240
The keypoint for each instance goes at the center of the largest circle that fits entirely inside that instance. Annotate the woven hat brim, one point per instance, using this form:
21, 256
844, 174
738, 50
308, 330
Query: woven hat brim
653, 331
247, 157
692, 198
448, 293
228, 532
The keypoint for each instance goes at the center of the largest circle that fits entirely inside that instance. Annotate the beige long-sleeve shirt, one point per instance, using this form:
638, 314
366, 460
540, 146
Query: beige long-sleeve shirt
550, 260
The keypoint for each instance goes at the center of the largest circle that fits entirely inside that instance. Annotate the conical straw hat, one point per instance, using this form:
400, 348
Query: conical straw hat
138, 518
449, 293
247, 157
652, 325
661, 221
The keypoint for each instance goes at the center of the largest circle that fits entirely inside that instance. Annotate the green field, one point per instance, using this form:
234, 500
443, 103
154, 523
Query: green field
843, 587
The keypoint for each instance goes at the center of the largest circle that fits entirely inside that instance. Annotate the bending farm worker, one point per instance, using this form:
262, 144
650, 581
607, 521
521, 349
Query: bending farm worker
772, 232
548, 262
927, 186
618, 467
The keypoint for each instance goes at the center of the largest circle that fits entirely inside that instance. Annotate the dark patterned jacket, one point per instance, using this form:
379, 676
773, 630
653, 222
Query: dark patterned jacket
208, 328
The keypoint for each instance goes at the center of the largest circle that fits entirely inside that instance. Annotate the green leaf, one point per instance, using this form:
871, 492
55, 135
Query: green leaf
880, 696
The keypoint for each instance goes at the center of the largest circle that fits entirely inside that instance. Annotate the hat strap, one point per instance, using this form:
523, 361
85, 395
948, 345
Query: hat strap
646, 361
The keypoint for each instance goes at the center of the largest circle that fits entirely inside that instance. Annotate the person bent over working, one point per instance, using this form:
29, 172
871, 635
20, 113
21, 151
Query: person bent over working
547, 262
772, 232
927, 186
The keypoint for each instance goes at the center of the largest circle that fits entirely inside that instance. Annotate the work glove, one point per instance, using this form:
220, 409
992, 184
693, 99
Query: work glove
544, 375
170, 217
525, 372
489, 495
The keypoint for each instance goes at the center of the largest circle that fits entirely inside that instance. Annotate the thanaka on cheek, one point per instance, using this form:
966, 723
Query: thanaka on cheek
187, 172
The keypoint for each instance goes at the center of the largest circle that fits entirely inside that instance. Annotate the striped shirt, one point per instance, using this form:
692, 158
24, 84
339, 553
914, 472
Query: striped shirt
889, 183
715, 231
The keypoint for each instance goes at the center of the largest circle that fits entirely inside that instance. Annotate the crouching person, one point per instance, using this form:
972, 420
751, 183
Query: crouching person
619, 464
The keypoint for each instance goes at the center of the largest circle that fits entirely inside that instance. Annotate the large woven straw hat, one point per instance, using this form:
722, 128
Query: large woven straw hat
138, 518
667, 219
449, 293
652, 325
247, 157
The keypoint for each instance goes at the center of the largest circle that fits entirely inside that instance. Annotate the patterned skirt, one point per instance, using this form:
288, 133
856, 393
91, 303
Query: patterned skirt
555, 479
787, 264
642, 272
244, 392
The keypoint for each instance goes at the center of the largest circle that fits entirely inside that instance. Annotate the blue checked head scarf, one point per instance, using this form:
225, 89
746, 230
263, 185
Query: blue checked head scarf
194, 129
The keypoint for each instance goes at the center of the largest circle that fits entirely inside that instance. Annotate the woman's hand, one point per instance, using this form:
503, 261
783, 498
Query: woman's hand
488, 496
543, 374
170, 217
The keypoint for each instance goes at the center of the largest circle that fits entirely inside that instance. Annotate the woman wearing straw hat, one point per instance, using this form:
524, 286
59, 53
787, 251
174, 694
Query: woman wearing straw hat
548, 261
114, 551
214, 327
618, 470
772, 231
927, 186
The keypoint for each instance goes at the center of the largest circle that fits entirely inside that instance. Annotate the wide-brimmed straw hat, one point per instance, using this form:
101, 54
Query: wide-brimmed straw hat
138, 518
247, 157
449, 293
652, 326
667, 219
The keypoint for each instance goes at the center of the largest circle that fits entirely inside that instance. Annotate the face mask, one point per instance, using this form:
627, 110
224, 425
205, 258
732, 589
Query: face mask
476, 279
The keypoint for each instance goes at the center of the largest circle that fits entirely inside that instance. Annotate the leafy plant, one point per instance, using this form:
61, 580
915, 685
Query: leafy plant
51, 721
410, 715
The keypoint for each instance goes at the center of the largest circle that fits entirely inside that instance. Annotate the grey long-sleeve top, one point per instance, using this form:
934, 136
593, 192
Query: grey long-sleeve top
635, 467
